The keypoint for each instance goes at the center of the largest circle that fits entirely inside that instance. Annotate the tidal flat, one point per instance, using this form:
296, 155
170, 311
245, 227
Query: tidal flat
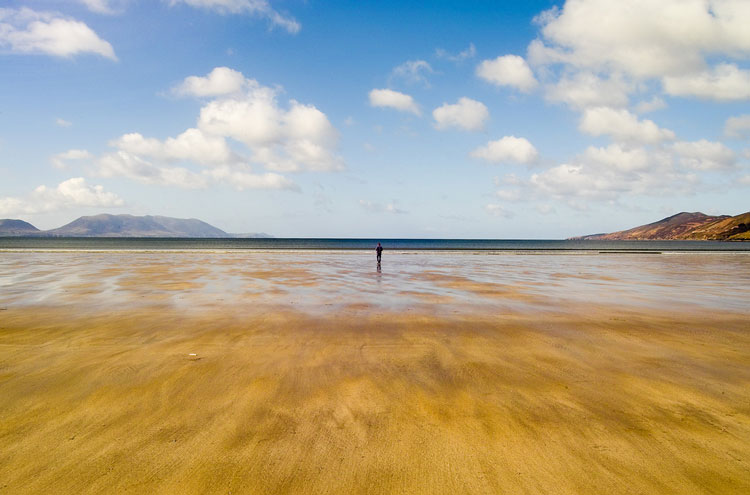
312, 373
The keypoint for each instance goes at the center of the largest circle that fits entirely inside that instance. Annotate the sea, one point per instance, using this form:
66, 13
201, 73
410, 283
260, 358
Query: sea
479, 245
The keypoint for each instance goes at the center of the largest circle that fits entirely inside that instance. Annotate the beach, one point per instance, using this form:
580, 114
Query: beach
313, 372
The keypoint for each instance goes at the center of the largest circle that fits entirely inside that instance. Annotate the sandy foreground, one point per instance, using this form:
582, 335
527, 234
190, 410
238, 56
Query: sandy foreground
437, 379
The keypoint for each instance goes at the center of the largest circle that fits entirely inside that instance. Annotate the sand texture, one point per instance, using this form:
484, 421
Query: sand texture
444, 394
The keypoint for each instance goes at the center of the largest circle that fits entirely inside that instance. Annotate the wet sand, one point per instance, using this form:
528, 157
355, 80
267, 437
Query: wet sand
162, 373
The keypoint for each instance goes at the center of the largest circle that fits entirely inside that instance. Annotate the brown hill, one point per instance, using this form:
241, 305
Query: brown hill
684, 226
732, 228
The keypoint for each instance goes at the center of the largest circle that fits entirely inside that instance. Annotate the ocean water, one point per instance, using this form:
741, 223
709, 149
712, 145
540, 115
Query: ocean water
104, 243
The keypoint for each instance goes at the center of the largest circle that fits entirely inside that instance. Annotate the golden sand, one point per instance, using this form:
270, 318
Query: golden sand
430, 398
155, 402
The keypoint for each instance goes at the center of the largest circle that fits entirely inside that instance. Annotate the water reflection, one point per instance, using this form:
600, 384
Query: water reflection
498, 281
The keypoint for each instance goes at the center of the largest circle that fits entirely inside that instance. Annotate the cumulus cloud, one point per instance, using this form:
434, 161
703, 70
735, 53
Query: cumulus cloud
596, 56
60, 159
622, 125
466, 114
725, 82
470, 52
244, 179
586, 89
673, 41
219, 82
70, 193
259, 8
134, 167
192, 145
413, 71
294, 139
651, 105
62, 122
507, 149
239, 176
705, 155
737, 127
608, 173
388, 98
508, 70
240, 113
641, 37
27, 31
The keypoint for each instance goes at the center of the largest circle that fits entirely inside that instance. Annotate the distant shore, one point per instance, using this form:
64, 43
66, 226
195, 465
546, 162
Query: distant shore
480, 245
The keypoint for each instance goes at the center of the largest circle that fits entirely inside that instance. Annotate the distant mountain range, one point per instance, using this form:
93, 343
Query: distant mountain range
105, 225
685, 226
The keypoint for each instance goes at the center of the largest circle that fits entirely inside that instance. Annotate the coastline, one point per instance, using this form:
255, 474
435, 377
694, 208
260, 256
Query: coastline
359, 244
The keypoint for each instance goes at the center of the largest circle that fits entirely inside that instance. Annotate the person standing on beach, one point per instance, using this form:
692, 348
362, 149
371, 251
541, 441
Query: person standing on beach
379, 251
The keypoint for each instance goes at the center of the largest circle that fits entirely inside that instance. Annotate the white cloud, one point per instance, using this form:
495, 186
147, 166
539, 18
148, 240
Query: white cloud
705, 155
62, 122
131, 166
607, 174
413, 71
622, 125
725, 82
470, 52
508, 70
567, 180
683, 43
244, 179
59, 160
297, 138
28, 31
651, 105
300, 138
642, 38
70, 193
219, 82
585, 89
507, 149
737, 127
466, 114
388, 98
260, 8
497, 211
620, 159
193, 145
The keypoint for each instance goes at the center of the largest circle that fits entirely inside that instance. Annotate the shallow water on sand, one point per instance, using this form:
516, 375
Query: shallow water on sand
322, 281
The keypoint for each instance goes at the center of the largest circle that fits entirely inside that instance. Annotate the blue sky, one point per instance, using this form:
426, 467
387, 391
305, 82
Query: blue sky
376, 119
